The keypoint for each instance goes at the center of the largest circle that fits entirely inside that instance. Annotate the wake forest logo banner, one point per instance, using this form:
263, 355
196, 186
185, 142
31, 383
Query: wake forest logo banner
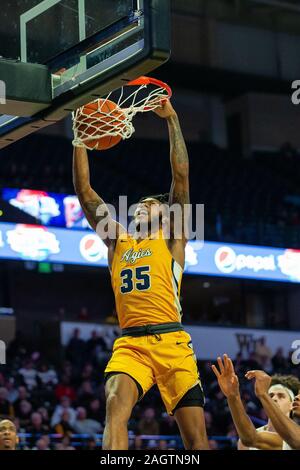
130, 256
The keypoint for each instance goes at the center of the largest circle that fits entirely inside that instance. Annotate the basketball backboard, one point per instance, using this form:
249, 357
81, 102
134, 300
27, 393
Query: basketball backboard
85, 47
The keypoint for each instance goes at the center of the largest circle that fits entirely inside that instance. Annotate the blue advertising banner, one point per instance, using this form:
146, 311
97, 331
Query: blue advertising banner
55, 245
243, 261
40, 243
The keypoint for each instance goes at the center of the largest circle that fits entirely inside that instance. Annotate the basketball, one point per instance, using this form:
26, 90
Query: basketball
101, 116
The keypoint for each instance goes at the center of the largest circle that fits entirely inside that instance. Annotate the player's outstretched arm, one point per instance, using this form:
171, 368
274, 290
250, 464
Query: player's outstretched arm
249, 436
179, 192
92, 205
286, 428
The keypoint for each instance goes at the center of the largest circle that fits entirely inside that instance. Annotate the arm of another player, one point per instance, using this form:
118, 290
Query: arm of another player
286, 428
249, 436
92, 205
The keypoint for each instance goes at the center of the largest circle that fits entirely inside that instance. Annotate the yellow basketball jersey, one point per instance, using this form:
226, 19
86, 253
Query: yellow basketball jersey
146, 281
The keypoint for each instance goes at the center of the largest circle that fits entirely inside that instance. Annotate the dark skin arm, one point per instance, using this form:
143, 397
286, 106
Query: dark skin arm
179, 192
92, 205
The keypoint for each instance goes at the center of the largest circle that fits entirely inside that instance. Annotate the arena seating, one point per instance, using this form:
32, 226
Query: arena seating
47, 400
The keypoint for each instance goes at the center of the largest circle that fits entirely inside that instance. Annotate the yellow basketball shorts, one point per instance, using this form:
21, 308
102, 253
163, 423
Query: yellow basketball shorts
167, 360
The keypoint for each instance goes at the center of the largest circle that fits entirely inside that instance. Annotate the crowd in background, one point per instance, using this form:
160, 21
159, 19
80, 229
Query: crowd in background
63, 407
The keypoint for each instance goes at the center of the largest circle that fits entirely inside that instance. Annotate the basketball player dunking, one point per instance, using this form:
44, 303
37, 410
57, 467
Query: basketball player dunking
146, 270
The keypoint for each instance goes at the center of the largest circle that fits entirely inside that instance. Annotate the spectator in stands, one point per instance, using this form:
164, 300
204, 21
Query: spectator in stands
22, 395
83, 425
89, 373
148, 424
172, 445
64, 427
91, 444
65, 444
162, 445
220, 412
279, 362
41, 444
86, 393
238, 361
76, 349
96, 342
251, 362
44, 414
29, 375
152, 444
248, 402
263, 354
210, 425
63, 407
36, 426
6, 408
67, 370
138, 443
95, 411
65, 389
12, 392
242, 365
46, 375
24, 413
47, 440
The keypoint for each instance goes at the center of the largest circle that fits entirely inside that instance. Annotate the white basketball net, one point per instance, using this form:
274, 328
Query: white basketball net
90, 126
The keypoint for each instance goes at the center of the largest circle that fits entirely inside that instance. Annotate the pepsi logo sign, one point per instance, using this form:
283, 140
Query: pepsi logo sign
92, 248
227, 261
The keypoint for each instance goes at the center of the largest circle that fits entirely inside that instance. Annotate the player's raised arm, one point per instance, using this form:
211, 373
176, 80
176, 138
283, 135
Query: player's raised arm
92, 205
179, 192
249, 436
